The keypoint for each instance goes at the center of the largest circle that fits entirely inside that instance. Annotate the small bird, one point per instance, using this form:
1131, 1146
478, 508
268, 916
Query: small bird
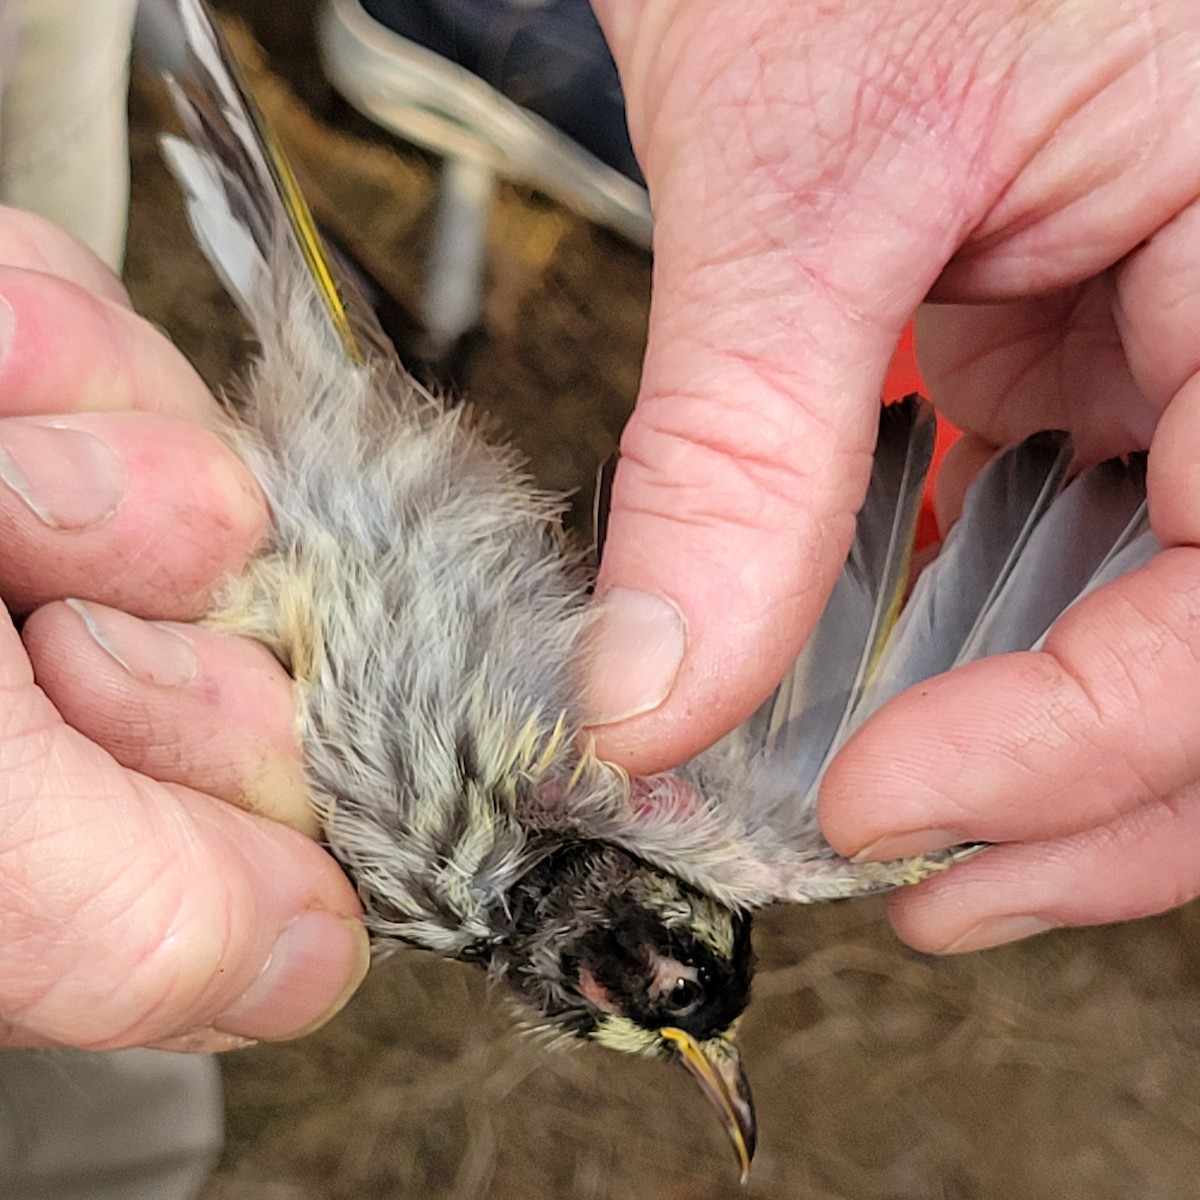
420, 591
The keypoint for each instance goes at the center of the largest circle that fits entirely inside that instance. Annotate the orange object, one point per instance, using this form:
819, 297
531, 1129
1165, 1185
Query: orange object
903, 378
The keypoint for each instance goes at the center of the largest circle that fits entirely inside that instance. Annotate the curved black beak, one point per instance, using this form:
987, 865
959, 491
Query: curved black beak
717, 1068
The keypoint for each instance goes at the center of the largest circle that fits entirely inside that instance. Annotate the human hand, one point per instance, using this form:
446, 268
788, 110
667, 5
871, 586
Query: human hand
142, 899
816, 172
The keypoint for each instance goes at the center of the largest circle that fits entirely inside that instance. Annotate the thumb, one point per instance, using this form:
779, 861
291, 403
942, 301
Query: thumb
785, 268
732, 510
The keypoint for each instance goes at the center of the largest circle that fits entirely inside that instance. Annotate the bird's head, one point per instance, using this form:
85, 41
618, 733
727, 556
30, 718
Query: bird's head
611, 950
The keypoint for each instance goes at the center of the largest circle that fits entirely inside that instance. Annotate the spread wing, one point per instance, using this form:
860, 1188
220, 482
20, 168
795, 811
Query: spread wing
1027, 546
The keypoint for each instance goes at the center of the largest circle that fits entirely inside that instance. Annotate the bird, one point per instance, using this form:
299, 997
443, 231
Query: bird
420, 590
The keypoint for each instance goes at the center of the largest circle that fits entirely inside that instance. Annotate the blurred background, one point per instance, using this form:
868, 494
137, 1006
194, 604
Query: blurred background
1064, 1069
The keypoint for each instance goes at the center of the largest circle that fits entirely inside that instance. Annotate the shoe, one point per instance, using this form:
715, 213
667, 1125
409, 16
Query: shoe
524, 90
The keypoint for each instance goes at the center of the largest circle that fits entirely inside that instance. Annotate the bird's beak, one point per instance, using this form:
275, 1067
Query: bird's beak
720, 1075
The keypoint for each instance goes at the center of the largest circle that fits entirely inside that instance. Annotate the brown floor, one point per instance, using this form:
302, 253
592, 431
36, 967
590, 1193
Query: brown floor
1066, 1069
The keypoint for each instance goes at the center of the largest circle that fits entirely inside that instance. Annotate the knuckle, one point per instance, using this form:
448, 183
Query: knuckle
1130, 653
708, 459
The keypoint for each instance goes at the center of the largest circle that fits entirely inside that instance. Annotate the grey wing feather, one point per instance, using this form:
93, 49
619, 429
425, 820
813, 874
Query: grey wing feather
1088, 522
809, 712
1135, 548
1001, 511
1137, 552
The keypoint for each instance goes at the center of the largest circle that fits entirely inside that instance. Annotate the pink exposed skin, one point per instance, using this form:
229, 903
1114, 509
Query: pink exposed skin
138, 905
817, 171
655, 794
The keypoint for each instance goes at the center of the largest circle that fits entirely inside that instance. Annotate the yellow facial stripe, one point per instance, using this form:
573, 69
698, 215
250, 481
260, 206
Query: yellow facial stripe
699, 915
620, 1033
627, 1037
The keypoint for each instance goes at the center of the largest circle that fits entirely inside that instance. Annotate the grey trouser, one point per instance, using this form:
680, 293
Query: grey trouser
127, 1125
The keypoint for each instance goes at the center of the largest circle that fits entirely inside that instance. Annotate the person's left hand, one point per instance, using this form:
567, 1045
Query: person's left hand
145, 898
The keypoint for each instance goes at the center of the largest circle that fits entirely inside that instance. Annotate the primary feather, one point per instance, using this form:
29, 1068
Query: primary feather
810, 711
962, 584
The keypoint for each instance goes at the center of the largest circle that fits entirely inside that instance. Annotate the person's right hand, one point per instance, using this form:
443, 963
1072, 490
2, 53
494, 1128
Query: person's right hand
143, 900
816, 172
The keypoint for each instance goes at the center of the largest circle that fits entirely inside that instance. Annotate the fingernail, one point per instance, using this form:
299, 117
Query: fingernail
635, 650
67, 478
203, 1041
909, 845
314, 968
995, 931
150, 652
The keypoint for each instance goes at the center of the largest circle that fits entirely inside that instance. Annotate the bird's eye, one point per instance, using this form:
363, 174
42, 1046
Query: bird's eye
684, 997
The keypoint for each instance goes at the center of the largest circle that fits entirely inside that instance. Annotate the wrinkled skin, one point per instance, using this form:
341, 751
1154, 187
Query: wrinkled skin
817, 170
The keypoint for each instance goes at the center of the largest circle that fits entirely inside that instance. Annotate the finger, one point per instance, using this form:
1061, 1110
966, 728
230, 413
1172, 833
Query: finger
1026, 747
63, 349
177, 703
1004, 371
134, 912
1102, 360
1157, 307
35, 244
1142, 863
1173, 475
748, 454
135, 510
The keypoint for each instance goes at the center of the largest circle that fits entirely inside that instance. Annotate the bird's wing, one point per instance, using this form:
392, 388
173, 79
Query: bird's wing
243, 203
960, 588
810, 710
739, 820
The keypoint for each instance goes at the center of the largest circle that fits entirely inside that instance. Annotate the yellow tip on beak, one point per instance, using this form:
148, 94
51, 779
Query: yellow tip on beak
721, 1078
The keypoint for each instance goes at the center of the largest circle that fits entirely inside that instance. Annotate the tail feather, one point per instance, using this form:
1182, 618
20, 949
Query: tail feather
226, 240
242, 199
